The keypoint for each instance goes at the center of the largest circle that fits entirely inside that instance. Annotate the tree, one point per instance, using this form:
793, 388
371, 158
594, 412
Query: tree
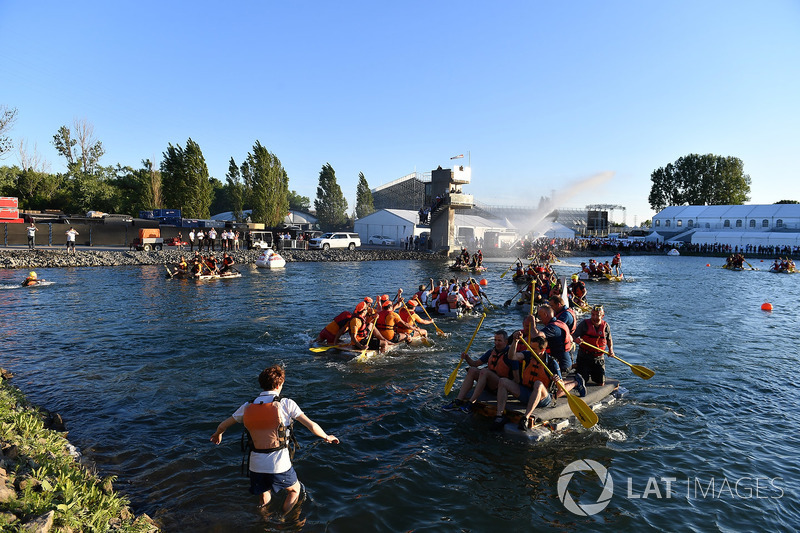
788, 202
330, 203
185, 181
700, 180
270, 186
235, 190
364, 202
79, 148
299, 203
8, 116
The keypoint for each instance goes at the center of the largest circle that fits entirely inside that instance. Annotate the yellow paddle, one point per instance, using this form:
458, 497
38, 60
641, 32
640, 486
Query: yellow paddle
363, 356
582, 412
509, 268
641, 371
319, 349
452, 379
533, 297
438, 331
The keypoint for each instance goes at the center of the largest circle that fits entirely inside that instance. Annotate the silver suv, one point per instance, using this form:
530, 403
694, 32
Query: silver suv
335, 240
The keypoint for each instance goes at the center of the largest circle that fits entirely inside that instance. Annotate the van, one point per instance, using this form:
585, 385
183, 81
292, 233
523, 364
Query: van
338, 239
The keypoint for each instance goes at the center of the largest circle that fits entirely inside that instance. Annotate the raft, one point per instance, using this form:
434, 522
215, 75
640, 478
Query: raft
270, 259
350, 353
783, 271
733, 268
553, 418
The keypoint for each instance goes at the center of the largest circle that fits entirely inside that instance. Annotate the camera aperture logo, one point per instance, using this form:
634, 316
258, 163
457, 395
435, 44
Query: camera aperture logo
587, 509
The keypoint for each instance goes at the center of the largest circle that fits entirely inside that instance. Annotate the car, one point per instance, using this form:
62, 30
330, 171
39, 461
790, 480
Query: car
335, 240
382, 239
261, 240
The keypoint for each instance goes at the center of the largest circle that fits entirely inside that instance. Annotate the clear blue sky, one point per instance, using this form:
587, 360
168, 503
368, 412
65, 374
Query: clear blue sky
541, 94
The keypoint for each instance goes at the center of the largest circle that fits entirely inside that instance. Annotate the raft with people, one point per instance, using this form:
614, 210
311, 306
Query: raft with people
555, 417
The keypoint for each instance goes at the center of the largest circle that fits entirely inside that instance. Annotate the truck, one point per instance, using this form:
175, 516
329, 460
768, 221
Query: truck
148, 239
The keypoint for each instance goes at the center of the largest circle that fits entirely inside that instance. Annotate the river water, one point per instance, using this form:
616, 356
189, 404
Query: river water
143, 369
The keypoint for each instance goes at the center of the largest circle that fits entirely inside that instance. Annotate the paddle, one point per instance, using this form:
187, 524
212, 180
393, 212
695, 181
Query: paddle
533, 297
438, 331
452, 379
169, 272
582, 412
363, 356
641, 371
751, 266
320, 349
509, 268
508, 302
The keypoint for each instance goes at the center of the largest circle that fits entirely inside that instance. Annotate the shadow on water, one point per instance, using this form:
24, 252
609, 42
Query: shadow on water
143, 369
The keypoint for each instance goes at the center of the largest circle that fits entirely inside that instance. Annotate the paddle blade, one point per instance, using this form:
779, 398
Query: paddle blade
642, 371
582, 412
319, 349
452, 379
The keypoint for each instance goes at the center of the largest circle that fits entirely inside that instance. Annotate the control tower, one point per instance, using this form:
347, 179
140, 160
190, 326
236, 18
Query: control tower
446, 185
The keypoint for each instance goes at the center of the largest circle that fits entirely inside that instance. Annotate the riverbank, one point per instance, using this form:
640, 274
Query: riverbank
58, 257
45, 483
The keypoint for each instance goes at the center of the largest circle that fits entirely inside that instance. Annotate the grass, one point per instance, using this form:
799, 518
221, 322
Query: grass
38, 468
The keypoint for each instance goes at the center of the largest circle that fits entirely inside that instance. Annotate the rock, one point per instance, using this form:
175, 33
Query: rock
11, 452
27, 483
7, 493
6, 519
6, 374
40, 524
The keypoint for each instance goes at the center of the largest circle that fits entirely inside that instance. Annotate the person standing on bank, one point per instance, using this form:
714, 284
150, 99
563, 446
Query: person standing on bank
71, 234
191, 240
32, 229
269, 420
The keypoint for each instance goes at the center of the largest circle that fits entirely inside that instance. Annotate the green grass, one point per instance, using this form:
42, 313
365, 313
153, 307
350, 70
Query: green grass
48, 478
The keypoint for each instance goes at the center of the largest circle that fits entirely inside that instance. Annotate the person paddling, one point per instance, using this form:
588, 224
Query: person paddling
32, 279
269, 420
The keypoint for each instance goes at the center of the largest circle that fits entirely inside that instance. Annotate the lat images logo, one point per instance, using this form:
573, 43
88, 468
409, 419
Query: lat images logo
585, 465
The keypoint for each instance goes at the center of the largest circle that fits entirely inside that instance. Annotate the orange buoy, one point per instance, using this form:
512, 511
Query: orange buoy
483, 282
766, 306
708, 264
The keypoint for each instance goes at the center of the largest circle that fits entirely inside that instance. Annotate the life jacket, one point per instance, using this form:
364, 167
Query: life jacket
262, 421
182, 265
532, 371
475, 289
341, 320
418, 297
228, 261
498, 363
574, 319
452, 300
579, 289
567, 334
386, 323
360, 333
596, 336
406, 315
442, 297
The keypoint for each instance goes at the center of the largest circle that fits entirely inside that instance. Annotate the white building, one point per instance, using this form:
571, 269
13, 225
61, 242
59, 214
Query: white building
765, 225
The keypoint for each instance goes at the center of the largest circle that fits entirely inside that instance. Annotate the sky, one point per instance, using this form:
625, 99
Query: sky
539, 97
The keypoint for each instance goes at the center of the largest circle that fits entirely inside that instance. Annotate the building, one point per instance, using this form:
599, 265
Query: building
737, 225
396, 224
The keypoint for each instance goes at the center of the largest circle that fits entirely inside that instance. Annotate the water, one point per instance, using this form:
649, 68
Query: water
143, 369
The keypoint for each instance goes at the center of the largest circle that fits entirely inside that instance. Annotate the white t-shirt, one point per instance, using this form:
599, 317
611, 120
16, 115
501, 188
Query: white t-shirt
31, 231
71, 235
275, 462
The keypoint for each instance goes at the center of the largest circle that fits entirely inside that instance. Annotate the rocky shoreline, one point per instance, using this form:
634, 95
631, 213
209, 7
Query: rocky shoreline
58, 258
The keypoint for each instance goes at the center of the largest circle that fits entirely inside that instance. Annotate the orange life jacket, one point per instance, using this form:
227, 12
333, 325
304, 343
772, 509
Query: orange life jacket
386, 323
499, 365
533, 371
263, 423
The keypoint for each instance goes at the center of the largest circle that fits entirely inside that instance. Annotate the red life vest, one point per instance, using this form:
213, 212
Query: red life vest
596, 336
567, 334
263, 422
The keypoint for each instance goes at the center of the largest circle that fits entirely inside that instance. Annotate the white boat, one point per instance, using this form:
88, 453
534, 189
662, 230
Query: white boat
673, 252
270, 259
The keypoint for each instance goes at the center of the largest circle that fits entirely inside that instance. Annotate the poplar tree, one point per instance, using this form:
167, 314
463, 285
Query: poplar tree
235, 190
364, 202
330, 203
185, 180
270, 186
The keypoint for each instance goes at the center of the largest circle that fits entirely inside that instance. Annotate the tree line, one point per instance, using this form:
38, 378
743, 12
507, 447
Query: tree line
180, 181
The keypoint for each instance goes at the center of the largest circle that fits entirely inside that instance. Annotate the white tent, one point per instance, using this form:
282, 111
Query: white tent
559, 231
397, 224
743, 238
654, 237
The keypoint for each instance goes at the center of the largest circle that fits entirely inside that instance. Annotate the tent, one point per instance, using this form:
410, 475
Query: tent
654, 237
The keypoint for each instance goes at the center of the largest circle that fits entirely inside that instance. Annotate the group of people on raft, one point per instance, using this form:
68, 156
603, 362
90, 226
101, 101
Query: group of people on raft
376, 324
511, 369
783, 265
596, 269
735, 262
542, 283
465, 261
202, 265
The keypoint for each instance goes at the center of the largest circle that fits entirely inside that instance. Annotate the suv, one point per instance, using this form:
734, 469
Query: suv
335, 240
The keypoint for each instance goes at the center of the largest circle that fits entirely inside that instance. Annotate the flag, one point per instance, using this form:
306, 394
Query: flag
457, 156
